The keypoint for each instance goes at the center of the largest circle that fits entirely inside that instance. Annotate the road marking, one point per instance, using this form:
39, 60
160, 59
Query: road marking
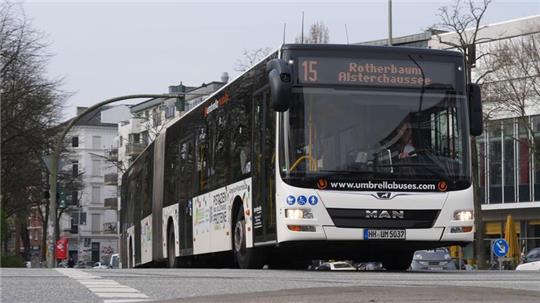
108, 290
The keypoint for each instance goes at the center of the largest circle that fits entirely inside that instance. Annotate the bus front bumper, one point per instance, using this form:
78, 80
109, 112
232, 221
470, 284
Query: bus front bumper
332, 233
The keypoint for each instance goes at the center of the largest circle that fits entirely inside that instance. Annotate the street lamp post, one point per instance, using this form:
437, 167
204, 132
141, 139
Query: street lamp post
57, 149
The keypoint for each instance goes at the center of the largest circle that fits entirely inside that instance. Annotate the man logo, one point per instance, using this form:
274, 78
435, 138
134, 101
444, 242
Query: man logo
385, 214
384, 195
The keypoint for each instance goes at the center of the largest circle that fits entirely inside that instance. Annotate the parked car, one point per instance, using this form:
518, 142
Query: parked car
99, 265
433, 259
368, 266
341, 266
115, 261
531, 261
62, 264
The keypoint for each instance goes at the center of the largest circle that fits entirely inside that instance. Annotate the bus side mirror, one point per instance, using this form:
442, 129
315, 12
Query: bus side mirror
279, 78
475, 110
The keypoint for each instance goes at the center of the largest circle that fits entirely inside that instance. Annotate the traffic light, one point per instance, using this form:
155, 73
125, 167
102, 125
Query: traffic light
61, 196
180, 103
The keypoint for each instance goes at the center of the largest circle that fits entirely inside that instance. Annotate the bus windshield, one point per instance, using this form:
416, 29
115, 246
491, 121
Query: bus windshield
383, 134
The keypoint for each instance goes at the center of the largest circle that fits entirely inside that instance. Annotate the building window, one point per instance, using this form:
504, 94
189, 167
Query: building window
523, 161
74, 197
75, 168
96, 168
96, 194
75, 141
508, 161
96, 142
96, 223
169, 112
79, 216
495, 162
145, 137
134, 138
120, 141
536, 128
482, 159
509, 164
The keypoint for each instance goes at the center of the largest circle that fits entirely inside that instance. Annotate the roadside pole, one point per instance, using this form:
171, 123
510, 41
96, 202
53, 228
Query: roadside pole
500, 249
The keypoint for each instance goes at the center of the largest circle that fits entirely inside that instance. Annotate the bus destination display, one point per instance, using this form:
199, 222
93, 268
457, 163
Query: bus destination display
374, 72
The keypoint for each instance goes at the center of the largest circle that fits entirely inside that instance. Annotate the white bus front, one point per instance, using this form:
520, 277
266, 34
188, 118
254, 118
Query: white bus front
374, 156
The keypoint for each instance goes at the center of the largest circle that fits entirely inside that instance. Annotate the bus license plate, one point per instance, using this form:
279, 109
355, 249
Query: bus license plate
379, 234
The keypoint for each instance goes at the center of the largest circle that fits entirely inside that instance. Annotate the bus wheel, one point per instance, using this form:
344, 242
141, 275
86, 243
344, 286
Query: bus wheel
130, 254
171, 254
398, 262
244, 257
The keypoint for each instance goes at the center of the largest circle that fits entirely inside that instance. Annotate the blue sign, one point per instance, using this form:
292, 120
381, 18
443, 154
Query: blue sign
302, 200
313, 200
500, 247
291, 200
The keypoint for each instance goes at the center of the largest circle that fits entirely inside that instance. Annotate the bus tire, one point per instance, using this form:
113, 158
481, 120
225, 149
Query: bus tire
171, 253
398, 262
130, 254
245, 258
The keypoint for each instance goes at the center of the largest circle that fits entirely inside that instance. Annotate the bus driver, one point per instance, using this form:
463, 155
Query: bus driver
407, 149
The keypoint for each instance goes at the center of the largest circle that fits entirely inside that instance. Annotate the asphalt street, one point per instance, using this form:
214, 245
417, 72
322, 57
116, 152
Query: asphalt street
229, 285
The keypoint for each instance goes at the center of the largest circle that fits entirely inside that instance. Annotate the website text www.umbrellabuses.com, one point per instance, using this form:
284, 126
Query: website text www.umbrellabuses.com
384, 185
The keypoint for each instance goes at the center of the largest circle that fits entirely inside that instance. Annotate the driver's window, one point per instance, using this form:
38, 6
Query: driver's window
444, 133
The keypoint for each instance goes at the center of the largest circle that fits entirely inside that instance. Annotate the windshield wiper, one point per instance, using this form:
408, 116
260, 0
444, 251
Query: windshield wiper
428, 166
423, 88
347, 172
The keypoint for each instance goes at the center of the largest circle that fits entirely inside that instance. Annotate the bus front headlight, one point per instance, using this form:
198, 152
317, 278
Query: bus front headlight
297, 214
463, 215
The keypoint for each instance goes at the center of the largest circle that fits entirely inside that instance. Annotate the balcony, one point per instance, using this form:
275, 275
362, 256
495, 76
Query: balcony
109, 228
111, 179
111, 203
72, 230
112, 154
134, 149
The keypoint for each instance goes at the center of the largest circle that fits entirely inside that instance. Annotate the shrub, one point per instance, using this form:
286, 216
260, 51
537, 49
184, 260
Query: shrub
11, 261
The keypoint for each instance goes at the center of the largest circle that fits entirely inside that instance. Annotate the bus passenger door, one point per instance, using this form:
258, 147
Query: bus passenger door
186, 154
263, 180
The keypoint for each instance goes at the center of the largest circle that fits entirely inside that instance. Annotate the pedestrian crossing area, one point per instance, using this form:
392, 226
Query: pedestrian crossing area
107, 290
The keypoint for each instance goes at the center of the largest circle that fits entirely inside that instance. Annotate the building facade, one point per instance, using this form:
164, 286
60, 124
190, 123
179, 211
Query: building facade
90, 219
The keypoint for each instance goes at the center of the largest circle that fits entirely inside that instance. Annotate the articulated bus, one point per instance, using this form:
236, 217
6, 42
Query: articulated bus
316, 152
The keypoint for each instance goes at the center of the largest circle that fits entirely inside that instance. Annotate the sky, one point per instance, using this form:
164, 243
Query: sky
103, 49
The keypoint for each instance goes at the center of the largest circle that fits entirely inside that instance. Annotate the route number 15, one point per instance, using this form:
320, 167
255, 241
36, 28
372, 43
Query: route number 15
310, 70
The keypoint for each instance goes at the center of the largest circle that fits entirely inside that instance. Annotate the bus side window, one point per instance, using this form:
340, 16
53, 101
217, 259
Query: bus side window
220, 148
240, 139
186, 156
147, 184
202, 157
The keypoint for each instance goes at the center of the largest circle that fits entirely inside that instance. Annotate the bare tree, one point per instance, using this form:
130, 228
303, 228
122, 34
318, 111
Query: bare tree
250, 58
513, 88
30, 105
464, 20
318, 34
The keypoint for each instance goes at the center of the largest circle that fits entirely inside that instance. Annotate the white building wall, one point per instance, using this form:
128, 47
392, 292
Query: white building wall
95, 142
116, 114
490, 37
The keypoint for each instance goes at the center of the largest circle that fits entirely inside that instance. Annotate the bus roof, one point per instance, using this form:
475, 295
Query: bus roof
378, 49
